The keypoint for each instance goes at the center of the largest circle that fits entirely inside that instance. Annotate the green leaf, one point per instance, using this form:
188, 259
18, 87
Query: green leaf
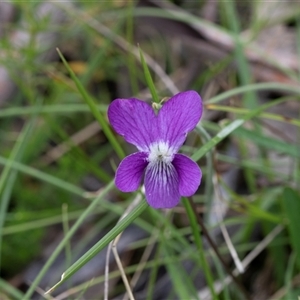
291, 204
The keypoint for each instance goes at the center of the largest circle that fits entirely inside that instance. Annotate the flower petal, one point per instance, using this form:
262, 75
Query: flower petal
161, 185
178, 116
130, 171
135, 120
189, 175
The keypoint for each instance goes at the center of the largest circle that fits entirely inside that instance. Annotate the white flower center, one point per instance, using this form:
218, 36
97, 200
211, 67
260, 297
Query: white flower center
160, 152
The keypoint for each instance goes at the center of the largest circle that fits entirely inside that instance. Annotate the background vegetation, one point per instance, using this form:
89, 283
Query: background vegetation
59, 208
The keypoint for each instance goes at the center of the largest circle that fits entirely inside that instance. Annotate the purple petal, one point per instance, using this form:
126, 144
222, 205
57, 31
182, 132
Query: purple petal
189, 175
130, 171
135, 120
178, 116
161, 185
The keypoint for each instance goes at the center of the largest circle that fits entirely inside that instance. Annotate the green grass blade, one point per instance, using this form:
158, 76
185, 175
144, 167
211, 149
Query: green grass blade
153, 273
251, 209
243, 70
196, 233
102, 243
254, 166
238, 110
181, 280
210, 170
10, 290
231, 128
289, 276
268, 142
249, 100
149, 78
90, 209
43, 222
275, 86
8, 175
133, 76
49, 109
65, 223
43, 176
93, 107
291, 205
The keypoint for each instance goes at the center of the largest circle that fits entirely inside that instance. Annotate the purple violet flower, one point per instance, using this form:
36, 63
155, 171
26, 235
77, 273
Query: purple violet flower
158, 137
